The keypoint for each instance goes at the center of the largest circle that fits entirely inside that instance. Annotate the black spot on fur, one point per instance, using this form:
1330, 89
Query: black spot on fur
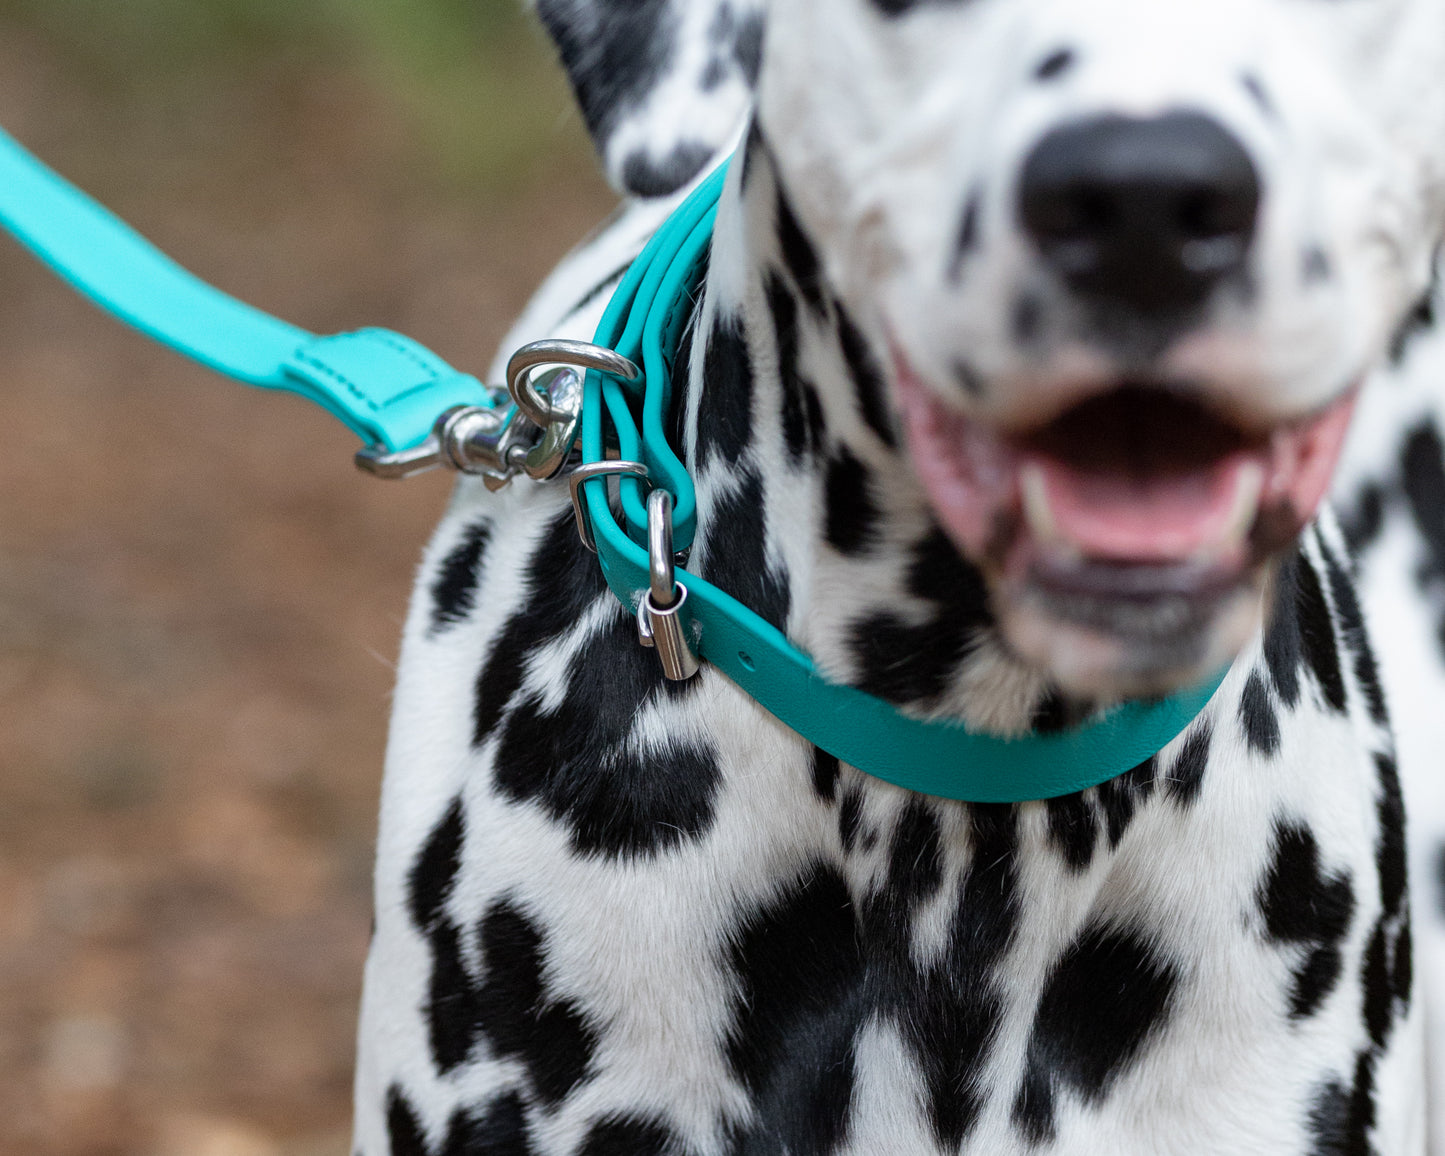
850, 814
1378, 989
915, 872
802, 409
825, 774
1440, 880
1055, 64
1420, 320
1315, 267
1283, 647
598, 289
1317, 633
1304, 905
1257, 716
1423, 470
1186, 776
851, 521
1352, 630
649, 176
501, 1130
748, 46
1120, 796
1028, 318
434, 873
737, 560
1402, 974
949, 1014
967, 239
1073, 830
867, 379
451, 1008
968, 378
1364, 518
1302, 632
451, 997
1107, 995
455, 585
1340, 1118
754, 149
799, 969
549, 1037
799, 255
903, 662
619, 794
562, 580
724, 411
629, 1135
402, 1126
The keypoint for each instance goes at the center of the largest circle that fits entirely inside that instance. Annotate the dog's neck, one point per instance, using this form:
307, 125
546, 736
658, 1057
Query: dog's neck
809, 512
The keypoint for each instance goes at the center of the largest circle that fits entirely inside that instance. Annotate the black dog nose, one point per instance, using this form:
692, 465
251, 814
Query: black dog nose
1150, 213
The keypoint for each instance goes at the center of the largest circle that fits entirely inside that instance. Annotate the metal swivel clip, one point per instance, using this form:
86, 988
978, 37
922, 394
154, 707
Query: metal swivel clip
659, 623
534, 436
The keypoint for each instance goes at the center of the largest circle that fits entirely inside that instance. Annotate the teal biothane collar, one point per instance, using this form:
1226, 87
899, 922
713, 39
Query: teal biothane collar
389, 390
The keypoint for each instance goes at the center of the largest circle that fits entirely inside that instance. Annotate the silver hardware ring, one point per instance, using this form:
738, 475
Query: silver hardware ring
582, 354
586, 473
662, 583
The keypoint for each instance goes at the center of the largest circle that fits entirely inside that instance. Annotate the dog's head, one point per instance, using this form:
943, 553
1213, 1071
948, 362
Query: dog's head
1127, 262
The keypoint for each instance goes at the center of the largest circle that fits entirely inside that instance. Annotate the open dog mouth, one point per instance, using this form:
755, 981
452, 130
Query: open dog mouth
1136, 512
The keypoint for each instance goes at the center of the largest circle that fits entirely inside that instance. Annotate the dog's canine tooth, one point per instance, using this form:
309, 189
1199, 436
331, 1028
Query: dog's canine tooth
1247, 490
1037, 513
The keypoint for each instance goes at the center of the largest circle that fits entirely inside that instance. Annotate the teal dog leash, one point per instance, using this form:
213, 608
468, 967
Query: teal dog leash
414, 412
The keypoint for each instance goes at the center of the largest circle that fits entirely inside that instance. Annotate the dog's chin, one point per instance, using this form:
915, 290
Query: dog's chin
1136, 633
1128, 540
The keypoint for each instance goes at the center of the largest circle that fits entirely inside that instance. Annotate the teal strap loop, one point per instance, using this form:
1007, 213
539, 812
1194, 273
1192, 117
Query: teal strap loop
384, 386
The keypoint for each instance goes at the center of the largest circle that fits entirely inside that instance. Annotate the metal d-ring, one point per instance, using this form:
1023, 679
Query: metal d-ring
586, 473
660, 624
582, 354
662, 584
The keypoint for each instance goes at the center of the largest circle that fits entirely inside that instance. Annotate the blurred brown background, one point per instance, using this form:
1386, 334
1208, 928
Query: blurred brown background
200, 598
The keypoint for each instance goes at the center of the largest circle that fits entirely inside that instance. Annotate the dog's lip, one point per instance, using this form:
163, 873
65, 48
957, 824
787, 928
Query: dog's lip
1033, 510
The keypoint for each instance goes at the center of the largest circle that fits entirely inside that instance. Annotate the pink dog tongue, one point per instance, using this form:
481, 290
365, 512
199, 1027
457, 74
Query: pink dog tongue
1117, 516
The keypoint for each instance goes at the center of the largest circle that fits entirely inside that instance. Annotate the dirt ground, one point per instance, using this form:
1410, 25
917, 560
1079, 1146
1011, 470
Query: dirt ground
200, 602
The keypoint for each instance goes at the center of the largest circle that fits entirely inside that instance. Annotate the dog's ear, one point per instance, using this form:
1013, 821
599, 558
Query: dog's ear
664, 84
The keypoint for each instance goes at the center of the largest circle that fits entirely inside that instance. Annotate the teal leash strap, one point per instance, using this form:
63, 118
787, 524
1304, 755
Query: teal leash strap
934, 758
383, 386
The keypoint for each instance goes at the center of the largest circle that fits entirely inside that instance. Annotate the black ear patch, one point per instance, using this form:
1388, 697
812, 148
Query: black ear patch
663, 84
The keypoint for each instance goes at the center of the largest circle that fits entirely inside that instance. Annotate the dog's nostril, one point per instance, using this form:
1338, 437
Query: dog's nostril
1149, 212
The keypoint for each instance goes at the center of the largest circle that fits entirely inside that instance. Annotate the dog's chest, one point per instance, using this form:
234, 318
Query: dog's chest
617, 912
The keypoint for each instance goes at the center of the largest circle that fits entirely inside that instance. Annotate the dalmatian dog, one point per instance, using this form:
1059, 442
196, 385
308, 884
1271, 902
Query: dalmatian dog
1027, 349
